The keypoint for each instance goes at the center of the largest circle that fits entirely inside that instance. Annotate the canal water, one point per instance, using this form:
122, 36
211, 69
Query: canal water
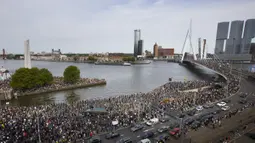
121, 80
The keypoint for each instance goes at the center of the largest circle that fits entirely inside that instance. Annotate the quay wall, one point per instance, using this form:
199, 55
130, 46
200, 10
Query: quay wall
65, 88
10, 95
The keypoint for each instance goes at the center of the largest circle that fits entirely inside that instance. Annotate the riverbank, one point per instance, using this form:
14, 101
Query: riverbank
57, 85
101, 83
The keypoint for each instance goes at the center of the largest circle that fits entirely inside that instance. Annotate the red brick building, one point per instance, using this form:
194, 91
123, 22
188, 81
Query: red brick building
165, 52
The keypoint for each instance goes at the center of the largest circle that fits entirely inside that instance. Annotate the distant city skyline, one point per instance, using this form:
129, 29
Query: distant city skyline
107, 26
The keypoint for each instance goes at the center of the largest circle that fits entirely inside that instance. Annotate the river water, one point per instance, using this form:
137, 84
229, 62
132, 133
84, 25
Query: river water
120, 79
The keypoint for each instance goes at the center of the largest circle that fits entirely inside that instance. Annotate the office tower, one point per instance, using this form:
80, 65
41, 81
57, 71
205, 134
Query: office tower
27, 58
155, 50
204, 43
199, 47
221, 36
137, 37
249, 33
140, 47
233, 44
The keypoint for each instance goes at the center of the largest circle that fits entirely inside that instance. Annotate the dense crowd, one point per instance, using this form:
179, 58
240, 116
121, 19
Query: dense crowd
71, 122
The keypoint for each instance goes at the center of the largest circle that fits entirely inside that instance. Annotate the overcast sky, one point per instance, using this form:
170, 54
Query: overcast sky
83, 26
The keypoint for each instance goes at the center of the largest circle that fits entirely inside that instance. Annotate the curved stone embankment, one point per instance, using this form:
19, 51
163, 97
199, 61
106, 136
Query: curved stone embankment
65, 88
8, 93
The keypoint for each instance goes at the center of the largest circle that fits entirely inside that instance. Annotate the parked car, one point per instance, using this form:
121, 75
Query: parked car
162, 138
244, 95
152, 121
181, 115
95, 139
221, 104
137, 128
163, 129
144, 141
112, 135
207, 106
163, 120
175, 132
189, 121
199, 108
174, 125
191, 112
225, 108
217, 111
195, 124
147, 135
226, 100
125, 140
242, 101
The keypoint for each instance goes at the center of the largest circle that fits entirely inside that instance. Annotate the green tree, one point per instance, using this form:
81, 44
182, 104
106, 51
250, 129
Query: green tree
25, 78
128, 59
71, 74
45, 77
10, 56
91, 58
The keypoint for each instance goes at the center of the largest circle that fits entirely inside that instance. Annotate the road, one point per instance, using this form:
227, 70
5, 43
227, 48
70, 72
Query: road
246, 86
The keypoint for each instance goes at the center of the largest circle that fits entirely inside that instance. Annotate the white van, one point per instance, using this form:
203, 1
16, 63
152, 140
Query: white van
145, 141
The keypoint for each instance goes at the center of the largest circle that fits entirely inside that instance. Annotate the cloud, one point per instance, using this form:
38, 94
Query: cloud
108, 25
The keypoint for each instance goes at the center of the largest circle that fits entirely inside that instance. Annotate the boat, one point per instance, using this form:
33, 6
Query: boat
126, 64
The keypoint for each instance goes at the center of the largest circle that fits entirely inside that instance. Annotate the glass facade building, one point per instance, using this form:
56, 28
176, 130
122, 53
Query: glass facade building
249, 33
221, 36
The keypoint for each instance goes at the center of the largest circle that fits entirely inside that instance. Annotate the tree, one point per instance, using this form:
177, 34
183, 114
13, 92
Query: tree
128, 59
25, 78
71, 74
76, 58
46, 76
91, 58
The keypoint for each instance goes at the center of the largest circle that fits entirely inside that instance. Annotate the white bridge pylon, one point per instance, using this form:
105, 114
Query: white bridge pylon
188, 36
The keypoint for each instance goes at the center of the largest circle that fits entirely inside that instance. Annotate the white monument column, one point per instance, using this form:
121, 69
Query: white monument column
27, 58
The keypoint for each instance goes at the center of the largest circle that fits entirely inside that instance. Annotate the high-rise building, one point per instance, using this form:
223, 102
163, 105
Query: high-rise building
140, 47
249, 33
222, 35
233, 44
137, 37
204, 44
155, 50
27, 58
199, 47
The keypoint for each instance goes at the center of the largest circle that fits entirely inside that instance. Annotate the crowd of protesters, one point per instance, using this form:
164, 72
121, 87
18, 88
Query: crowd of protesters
70, 122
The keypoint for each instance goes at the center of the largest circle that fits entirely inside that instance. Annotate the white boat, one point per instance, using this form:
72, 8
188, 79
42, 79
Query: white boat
126, 64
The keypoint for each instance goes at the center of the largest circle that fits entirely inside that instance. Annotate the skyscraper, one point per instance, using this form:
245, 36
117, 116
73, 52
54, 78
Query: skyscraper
27, 58
140, 47
249, 33
222, 35
199, 47
233, 45
137, 37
